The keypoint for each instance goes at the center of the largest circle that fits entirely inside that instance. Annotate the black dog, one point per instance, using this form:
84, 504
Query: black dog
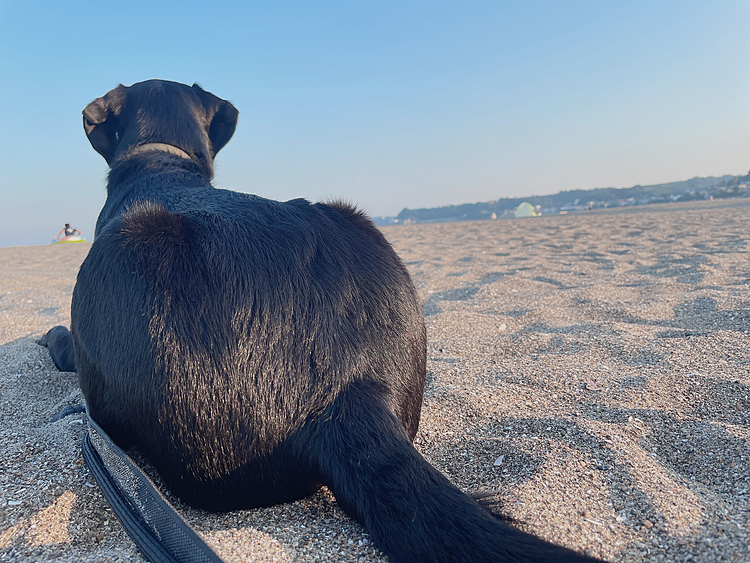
254, 350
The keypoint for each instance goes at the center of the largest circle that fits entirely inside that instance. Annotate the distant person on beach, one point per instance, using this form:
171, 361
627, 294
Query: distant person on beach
67, 231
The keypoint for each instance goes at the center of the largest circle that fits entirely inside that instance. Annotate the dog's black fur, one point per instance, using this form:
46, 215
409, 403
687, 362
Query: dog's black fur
254, 350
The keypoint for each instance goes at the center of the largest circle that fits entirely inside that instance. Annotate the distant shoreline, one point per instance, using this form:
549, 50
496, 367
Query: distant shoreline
730, 203
650, 207
564, 202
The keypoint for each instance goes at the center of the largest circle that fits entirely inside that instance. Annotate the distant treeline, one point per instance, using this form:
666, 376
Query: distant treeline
696, 188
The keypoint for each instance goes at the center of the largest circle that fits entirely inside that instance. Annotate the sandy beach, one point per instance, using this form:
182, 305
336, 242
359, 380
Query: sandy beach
591, 372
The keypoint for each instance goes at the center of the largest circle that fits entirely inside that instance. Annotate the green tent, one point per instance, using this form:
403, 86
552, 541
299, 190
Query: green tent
526, 210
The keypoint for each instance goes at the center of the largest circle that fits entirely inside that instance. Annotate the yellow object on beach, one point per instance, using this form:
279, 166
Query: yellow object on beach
71, 238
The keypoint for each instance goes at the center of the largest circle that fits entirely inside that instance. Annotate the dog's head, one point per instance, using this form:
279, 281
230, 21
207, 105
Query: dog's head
159, 111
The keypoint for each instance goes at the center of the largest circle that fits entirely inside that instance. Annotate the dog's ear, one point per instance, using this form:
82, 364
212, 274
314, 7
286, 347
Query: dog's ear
101, 122
223, 116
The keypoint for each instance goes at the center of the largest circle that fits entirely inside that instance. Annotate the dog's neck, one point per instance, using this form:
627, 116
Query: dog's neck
164, 147
130, 179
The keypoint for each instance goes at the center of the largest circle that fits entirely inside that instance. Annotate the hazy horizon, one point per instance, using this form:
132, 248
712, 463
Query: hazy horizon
392, 106
88, 233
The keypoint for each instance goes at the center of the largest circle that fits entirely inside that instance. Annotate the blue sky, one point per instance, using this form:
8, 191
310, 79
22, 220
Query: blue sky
386, 104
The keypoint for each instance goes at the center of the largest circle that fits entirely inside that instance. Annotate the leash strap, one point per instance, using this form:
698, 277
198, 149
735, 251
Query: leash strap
148, 518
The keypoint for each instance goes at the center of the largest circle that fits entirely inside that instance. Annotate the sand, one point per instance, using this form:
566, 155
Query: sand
591, 371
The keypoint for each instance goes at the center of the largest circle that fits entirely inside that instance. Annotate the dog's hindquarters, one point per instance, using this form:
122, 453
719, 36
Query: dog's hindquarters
211, 349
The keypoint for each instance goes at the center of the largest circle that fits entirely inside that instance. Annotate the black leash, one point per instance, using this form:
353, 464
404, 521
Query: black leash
148, 518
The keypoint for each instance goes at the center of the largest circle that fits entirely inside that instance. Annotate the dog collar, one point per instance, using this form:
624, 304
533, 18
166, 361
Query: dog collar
164, 147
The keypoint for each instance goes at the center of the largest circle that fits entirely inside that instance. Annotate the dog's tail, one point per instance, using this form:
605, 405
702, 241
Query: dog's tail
412, 512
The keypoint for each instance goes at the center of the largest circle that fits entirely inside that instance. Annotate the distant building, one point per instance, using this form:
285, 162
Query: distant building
525, 210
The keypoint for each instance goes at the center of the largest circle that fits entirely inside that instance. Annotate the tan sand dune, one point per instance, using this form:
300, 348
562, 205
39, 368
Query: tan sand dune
591, 371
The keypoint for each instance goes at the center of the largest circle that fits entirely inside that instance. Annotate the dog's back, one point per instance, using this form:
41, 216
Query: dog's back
226, 330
